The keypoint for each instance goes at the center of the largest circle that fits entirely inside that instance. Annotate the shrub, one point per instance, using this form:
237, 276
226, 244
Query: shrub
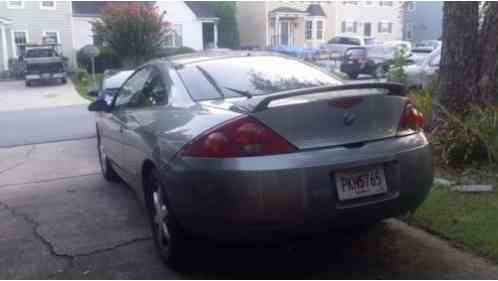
469, 138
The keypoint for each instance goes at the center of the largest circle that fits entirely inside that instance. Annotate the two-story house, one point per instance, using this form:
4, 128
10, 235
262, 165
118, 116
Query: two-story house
194, 24
24, 22
309, 24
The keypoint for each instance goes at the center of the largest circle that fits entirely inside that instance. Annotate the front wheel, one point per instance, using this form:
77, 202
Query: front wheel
170, 241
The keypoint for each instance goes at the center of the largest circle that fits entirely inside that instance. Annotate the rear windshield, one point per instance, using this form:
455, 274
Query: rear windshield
356, 53
39, 53
253, 75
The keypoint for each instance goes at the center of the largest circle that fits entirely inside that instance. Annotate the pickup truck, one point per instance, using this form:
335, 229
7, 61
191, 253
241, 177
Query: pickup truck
44, 63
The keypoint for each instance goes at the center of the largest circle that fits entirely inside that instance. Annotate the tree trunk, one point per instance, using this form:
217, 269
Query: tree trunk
459, 67
488, 52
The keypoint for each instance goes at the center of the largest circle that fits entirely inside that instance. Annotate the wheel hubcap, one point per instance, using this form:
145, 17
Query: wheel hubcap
160, 217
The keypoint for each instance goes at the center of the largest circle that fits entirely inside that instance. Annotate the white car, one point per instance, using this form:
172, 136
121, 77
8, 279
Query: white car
339, 44
421, 74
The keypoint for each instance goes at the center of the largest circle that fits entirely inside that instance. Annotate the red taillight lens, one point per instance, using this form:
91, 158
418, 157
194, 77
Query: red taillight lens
411, 120
241, 137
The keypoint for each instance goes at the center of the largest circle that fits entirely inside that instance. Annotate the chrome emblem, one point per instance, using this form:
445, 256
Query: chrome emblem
349, 118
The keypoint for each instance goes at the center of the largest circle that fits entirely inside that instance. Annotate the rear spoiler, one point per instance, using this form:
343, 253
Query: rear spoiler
395, 89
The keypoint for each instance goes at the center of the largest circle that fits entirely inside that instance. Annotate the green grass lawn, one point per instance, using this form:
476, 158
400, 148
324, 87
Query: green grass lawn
469, 219
83, 86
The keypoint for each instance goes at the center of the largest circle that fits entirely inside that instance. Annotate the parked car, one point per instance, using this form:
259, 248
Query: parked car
358, 60
421, 74
44, 63
113, 80
338, 45
249, 146
432, 44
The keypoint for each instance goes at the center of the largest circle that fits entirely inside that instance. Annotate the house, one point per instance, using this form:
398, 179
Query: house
24, 22
379, 19
272, 24
423, 20
309, 24
194, 24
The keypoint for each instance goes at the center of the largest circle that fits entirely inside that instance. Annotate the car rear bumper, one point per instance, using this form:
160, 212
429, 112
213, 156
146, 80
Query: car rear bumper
286, 195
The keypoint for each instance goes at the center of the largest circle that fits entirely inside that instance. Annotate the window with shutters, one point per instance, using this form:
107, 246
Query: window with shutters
309, 30
385, 27
349, 26
319, 30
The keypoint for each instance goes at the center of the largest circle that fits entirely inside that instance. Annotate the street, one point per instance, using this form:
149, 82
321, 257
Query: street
59, 219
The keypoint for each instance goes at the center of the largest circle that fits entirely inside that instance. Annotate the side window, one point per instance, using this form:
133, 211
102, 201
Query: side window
153, 92
132, 87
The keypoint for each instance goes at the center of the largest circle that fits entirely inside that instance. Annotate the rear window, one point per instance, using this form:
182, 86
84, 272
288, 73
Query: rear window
254, 75
356, 53
39, 53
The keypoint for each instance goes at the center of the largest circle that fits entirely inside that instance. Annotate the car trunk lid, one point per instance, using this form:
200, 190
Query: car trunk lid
329, 116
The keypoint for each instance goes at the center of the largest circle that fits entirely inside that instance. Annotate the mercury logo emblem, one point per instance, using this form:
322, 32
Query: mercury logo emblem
349, 118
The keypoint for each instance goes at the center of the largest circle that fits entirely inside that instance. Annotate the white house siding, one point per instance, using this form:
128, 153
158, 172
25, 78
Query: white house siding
362, 13
36, 20
177, 13
82, 31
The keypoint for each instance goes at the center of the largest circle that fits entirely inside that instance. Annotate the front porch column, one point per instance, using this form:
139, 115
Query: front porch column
5, 54
215, 27
277, 31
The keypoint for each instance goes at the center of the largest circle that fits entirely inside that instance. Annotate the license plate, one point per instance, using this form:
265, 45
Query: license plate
46, 75
363, 182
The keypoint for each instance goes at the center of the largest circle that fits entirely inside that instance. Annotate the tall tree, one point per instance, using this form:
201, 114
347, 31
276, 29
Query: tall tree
228, 32
135, 31
488, 52
459, 67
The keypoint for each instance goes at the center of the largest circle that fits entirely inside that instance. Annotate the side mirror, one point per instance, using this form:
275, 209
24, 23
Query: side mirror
93, 93
99, 105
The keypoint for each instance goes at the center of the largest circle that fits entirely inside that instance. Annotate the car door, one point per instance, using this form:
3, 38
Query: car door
140, 123
117, 118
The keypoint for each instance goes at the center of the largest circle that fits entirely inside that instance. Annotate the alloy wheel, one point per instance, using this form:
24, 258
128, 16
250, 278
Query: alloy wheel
160, 217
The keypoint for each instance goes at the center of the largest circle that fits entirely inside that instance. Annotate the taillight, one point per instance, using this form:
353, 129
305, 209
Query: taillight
411, 120
240, 137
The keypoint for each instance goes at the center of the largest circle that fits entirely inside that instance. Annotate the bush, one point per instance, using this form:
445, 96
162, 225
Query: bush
105, 60
472, 138
81, 75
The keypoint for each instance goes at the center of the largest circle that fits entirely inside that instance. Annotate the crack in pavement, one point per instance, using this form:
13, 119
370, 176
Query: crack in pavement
28, 154
71, 259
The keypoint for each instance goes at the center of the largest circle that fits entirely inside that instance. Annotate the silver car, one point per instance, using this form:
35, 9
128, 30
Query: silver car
255, 146
422, 73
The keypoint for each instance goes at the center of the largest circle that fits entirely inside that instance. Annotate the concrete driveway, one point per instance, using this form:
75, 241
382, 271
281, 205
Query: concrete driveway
60, 220
14, 95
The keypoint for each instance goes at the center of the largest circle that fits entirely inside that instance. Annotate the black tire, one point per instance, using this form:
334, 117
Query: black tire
63, 81
105, 166
171, 242
27, 83
353, 75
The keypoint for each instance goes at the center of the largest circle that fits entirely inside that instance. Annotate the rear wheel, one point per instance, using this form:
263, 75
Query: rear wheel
27, 83
63, 81
170, 241
105, 165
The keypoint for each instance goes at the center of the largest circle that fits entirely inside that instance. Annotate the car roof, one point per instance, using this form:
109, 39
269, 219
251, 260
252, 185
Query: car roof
196, 57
